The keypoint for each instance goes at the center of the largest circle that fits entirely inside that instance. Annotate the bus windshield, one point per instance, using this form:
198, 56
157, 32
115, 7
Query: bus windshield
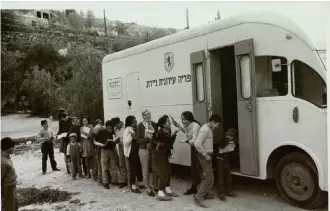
308, 85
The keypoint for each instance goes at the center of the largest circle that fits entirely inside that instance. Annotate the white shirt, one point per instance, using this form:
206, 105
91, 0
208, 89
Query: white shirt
192, 132
127, 140
204, 141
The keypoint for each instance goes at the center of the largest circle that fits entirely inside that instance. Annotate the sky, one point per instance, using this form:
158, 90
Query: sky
310, 16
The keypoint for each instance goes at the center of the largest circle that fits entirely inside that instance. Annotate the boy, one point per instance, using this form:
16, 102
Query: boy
8, 176
47, 147
223, 166
109, 155
73, 153
97, 169
204, 146
64, 127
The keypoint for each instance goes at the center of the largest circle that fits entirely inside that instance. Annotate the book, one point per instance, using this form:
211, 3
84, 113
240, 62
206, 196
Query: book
62, 135
229, 148
83, 136
86, 130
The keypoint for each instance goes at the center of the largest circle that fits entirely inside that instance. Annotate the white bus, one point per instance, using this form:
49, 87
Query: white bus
260, 72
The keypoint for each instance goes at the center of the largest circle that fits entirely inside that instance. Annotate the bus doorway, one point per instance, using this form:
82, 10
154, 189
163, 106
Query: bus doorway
224, 95
233, 95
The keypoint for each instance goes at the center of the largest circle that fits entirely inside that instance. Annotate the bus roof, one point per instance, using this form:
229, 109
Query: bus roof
268, 18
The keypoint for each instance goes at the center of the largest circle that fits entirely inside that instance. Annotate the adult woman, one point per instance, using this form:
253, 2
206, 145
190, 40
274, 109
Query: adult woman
64, 127
131, 151
190, 129
87, 146
162, 145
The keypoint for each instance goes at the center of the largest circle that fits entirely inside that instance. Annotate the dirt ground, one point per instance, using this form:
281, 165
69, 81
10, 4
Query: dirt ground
253, 195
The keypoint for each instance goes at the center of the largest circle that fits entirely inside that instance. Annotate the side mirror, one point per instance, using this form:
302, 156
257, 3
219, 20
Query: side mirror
276, 65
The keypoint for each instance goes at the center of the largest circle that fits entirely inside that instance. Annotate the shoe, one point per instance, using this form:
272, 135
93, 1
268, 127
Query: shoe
151, 193
106, 186
100, 182
88, 176
190, 191
208, 196
81, 176
136, 191
122, 185
68, 170
142, 187
222, 198
199, 202
95, 178
115, 184
56, 169
74, 178
172, 194
232, 194
43, 172
164, 198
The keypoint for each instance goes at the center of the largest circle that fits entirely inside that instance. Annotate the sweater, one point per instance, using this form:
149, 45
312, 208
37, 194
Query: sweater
204, 141
128, 140
140, 134
192, 132
8, 173
164, 140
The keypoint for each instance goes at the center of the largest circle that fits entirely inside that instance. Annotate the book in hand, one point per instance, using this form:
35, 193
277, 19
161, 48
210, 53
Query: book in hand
149, 133
229, 148
62, 135
86, 130
83, 136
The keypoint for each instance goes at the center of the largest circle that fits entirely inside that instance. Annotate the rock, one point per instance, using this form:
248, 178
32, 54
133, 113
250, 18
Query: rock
29, 143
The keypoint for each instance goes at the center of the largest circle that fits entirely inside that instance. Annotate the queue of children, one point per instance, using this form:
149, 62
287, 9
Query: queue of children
128, 155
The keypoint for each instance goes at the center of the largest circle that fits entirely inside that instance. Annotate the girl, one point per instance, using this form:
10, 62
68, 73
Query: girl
190, 129
131, 151
87, 147
162, 146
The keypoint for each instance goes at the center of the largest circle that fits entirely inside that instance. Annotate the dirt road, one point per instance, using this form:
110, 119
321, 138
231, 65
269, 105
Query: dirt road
254, 195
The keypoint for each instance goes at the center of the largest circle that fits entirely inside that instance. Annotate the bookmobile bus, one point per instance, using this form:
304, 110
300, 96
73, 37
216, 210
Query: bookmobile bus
260, 72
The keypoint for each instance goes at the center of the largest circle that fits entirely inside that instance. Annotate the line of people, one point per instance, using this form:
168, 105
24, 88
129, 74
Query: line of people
128, 155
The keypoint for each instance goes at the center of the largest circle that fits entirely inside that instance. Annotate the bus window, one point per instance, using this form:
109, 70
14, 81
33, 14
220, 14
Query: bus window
307, 84
199, 82
271, 83
245, 77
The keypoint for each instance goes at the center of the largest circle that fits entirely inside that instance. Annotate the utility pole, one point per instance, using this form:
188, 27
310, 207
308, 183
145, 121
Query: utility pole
106, 31
187, 18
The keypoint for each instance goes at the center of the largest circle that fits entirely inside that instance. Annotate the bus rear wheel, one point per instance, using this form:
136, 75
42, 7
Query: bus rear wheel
297, 181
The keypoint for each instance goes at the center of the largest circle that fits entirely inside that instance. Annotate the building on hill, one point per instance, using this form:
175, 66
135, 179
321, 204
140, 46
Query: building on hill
35, 18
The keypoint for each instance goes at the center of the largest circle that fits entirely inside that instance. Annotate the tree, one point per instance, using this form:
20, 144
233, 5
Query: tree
218, 15
120, 27
76, 21
11, 22
90, 18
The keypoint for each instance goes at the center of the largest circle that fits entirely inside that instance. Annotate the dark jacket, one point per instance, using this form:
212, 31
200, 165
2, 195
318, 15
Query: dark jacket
140, 135
164, 141
103, 136
64, 126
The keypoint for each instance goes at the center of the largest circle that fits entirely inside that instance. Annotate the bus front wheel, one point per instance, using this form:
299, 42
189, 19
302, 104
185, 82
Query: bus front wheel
297, 181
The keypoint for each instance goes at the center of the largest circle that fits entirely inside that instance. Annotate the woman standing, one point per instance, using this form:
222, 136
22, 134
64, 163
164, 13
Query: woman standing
190, 129
131, 151
87, 146
162, 145
64, 127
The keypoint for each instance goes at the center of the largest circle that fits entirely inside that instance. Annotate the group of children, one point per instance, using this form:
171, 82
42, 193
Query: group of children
127, 155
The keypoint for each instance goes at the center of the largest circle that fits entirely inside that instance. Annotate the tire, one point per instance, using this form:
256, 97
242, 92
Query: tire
299, 185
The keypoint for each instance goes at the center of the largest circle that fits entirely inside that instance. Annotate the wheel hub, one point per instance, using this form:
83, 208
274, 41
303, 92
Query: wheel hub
297, 181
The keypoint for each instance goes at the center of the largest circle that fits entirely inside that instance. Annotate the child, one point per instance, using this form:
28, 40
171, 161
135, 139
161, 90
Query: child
87, 147
73, 153
64, 127
47, 148
131, 151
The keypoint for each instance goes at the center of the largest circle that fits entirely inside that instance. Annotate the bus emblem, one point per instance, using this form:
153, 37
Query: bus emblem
169, 61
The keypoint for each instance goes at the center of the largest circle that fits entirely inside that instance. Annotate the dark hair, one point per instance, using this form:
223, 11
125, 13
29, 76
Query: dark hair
161, 121
115, 121
43, 122
188, 115
129, 121
85, 117
62, 115
215, 118
108, 123
7, 143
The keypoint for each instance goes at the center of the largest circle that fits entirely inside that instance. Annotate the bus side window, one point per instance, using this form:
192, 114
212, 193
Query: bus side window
271, 83
307, 84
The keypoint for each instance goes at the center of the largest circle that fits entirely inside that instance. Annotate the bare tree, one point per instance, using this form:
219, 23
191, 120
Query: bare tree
76, 21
